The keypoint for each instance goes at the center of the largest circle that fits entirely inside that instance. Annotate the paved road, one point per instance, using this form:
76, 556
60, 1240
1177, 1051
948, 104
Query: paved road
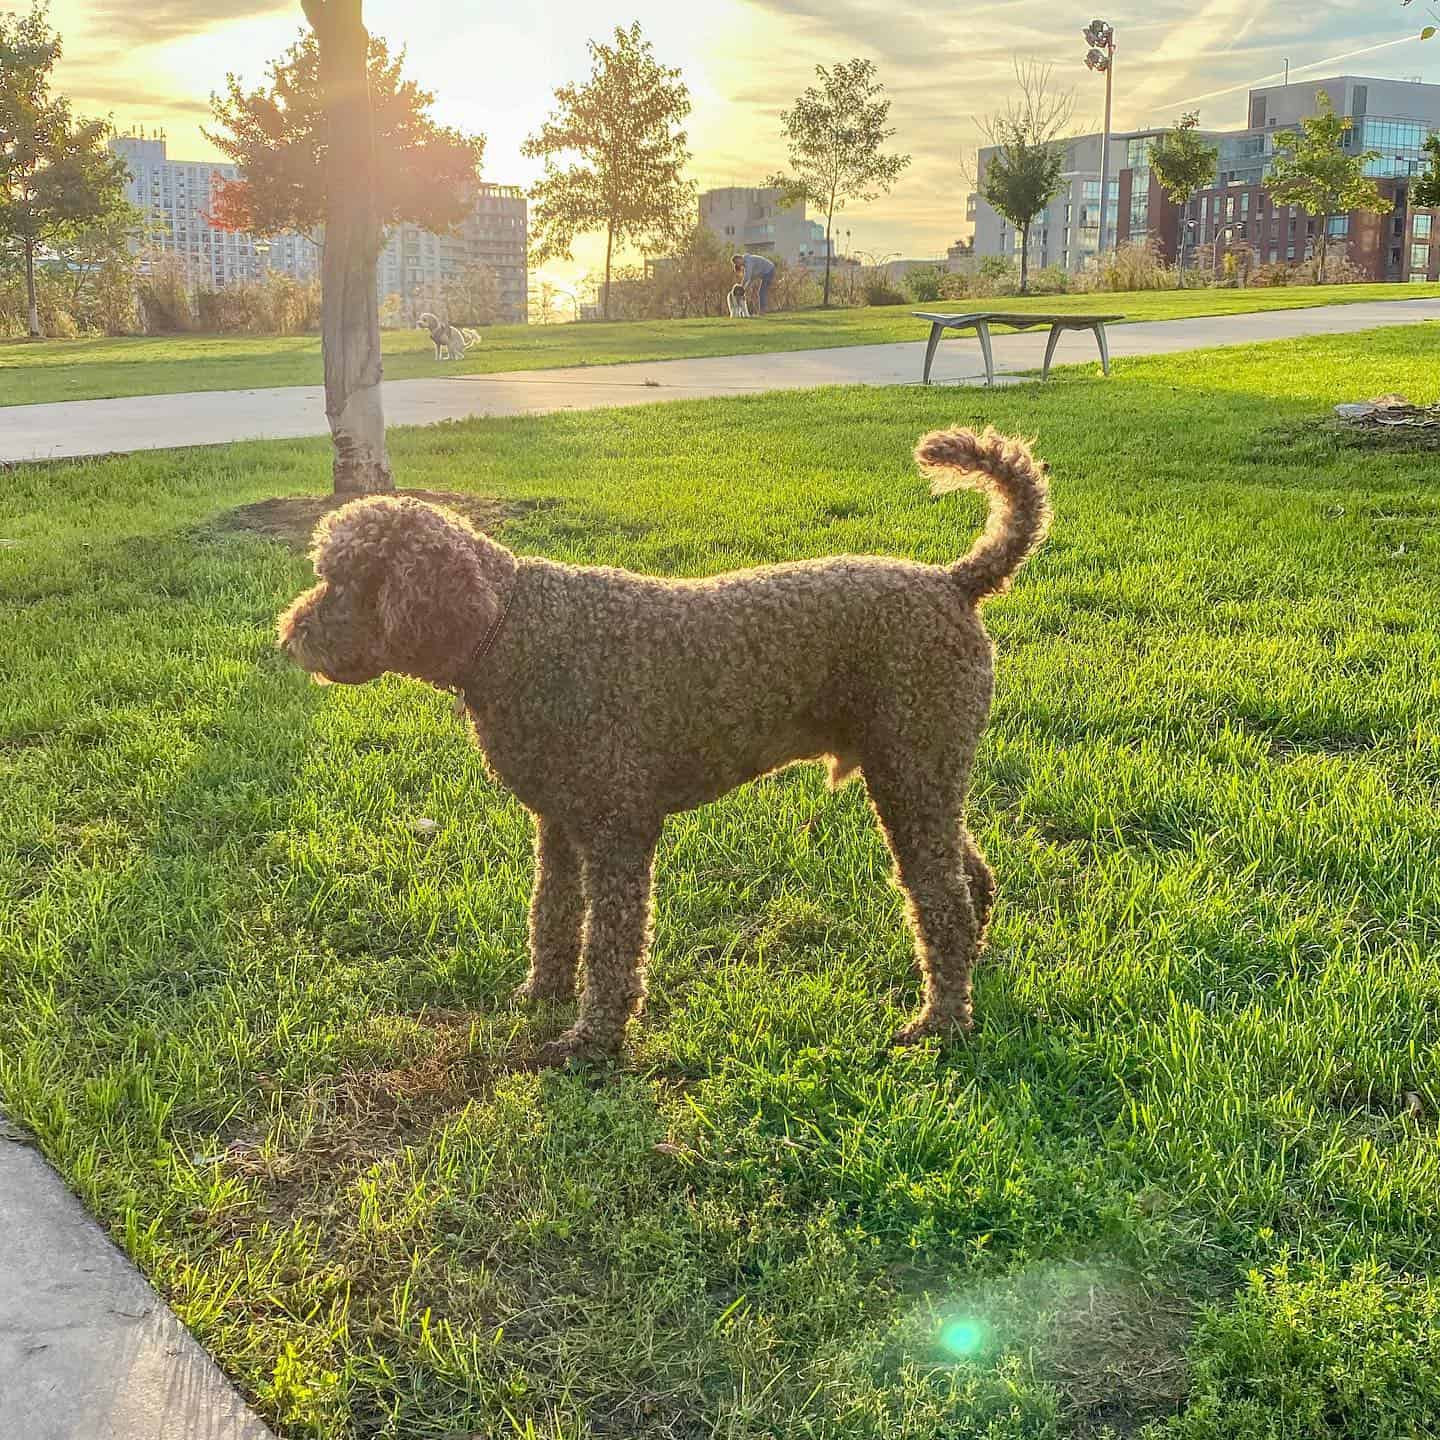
88, 1350
159, 422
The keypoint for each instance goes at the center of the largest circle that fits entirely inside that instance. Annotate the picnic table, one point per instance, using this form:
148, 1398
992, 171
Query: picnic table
980, 322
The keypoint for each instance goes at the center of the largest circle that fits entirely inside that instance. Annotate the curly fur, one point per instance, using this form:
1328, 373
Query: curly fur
607, 701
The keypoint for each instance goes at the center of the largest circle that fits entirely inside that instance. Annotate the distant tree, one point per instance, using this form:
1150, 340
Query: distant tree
1024, 172
102, 248
835, 131
276, 134
624, 125
473, 296
1313, 172
1183, 162
923, 284
1426, 190
56, 174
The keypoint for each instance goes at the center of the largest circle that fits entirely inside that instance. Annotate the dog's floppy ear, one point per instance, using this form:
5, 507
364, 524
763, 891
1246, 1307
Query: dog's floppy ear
353, 542
434, 591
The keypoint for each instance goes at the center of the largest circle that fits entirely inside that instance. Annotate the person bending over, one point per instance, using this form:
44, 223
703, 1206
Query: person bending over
754, 270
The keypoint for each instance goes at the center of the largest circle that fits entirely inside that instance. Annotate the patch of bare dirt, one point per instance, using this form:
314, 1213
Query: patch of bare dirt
291, 519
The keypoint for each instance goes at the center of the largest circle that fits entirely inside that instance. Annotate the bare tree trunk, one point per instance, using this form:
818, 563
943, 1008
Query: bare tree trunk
1320, 243
349, 309
826, 300
1025, 260
34, 319
609, 246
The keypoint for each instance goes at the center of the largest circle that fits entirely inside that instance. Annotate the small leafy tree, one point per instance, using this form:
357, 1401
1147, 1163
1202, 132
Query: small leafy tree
94, 259
835, 132
623, 124
1313, 172
1426, 190
1024, 174
473, 296
276, 135
1183, 162
56, 174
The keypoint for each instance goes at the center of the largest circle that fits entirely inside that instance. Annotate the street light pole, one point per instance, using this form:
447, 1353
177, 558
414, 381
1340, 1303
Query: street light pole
1100, 37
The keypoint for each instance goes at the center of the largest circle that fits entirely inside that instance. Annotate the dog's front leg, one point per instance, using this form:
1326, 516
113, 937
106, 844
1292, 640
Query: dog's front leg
618, 877
557, 916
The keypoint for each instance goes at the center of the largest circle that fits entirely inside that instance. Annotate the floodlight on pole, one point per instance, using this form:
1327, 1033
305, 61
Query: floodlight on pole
1100, 37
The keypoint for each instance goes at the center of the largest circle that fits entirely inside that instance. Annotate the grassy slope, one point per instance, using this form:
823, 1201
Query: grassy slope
264, 1031
92, 369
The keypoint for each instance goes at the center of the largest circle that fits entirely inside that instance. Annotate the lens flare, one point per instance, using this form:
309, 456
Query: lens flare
962, 1338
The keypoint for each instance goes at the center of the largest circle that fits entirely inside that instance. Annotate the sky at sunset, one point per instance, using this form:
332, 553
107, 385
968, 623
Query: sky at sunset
493, 68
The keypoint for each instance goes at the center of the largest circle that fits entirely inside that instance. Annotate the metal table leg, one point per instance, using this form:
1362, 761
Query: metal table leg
936, 331
1050, 351
982, 332
1104, 345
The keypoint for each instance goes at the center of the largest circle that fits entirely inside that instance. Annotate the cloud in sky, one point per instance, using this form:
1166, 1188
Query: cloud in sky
152, 22
494, 69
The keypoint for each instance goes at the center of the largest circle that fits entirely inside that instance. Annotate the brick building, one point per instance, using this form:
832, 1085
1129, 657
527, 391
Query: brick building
1392, 117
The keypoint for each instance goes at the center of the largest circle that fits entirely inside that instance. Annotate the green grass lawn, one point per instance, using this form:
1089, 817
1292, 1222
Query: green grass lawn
1186, 1174
97, 368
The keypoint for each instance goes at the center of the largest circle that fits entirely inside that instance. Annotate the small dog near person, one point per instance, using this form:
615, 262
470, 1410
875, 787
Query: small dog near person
607, 701
739, 308
452, 339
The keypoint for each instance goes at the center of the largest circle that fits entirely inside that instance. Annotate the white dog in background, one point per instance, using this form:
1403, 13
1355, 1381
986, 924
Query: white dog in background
739, 306
452, 339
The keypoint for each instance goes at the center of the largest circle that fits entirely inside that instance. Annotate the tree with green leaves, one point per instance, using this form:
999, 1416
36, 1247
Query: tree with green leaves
57, 175
1313, 172
1183, 162
1025, 171
473, 296
425, 173
1426, 190
623, 125
836, 132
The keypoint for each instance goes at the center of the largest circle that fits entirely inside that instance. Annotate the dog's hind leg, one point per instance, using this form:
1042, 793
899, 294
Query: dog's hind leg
947, 885
618, 884
557, 916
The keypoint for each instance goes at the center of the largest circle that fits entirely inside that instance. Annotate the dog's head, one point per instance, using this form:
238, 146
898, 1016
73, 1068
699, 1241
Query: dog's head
429, 322
404, 586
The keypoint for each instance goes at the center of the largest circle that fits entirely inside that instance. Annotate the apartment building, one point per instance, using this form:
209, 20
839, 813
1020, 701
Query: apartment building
416, 264
756, 219
175, 196
1392, 117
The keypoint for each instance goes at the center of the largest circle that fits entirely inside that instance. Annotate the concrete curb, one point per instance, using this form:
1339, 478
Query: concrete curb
88, 1351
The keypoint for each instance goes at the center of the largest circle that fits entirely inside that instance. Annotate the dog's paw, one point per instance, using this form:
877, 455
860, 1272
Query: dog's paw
543, 989
579, 1047
924, 1026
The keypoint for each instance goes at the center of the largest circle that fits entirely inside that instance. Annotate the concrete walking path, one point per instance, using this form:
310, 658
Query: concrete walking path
88, 1351
157, 422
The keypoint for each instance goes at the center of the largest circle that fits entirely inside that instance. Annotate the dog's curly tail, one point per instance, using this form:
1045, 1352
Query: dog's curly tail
1019, 500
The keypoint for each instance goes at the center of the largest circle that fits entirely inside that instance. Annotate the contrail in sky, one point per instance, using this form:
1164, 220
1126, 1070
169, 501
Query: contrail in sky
1314, 65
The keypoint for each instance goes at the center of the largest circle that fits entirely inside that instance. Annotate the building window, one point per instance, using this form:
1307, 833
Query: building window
1419, 257
1420, 228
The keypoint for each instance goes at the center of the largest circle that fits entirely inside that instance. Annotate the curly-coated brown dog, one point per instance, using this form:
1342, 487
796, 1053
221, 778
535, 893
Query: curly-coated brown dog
607, 701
